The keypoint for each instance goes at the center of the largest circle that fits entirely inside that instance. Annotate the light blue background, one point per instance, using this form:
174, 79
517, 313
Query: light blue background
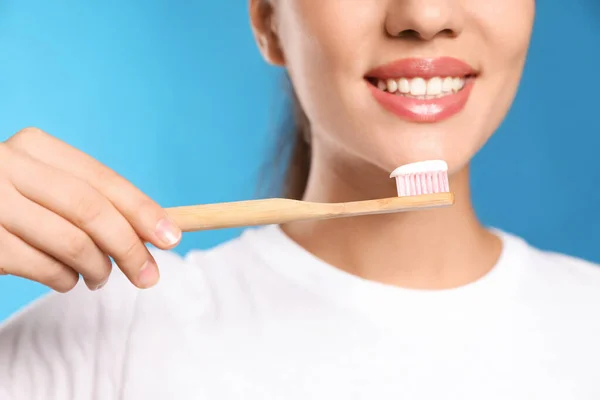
173, 95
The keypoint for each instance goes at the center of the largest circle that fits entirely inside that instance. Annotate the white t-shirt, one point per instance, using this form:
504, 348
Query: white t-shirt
261, 318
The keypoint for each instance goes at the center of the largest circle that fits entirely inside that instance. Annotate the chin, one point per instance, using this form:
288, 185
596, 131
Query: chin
457, 159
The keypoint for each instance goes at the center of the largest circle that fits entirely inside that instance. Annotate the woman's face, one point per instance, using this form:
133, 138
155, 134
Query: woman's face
388, 82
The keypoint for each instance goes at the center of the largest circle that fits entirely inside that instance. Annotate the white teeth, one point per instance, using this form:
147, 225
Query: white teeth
448, 84
434, 87
404, 85
419, 87
456, 84
392, 85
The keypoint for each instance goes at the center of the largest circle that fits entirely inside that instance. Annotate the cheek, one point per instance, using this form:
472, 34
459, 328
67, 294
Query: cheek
504, 31
327, 46
328, 34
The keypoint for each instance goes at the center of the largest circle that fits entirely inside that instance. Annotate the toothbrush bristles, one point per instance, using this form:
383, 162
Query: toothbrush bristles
427, 177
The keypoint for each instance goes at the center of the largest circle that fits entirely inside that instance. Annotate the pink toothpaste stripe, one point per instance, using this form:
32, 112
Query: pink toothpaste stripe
422, 183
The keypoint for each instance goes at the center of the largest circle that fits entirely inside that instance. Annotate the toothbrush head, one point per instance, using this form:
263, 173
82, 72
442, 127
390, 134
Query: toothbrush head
424, 177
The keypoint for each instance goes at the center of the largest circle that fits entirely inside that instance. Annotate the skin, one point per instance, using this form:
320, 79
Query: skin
356, 143
63, 214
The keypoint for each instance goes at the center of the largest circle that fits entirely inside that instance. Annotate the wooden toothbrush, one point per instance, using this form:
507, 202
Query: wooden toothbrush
278, 211
420, 186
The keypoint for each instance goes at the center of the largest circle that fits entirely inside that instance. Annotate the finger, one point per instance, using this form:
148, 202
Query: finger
86, 208
55, 236
20, 259
148, 219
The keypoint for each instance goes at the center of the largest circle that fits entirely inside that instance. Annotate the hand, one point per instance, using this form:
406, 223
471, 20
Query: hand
63, 214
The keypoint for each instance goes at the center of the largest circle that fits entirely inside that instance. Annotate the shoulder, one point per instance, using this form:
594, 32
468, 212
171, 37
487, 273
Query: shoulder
556, 274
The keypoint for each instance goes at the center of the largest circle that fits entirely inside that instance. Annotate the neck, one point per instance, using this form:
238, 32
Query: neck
430, 249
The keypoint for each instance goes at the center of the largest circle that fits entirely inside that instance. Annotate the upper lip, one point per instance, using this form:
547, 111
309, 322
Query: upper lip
425, 68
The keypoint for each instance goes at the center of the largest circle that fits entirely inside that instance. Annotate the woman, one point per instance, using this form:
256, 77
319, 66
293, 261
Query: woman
422, 305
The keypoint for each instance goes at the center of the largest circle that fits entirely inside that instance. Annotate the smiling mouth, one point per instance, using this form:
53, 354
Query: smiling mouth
421, 88
424, 90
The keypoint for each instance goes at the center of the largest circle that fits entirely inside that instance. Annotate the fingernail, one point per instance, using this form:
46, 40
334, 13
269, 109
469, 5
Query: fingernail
148, 275
168, 232
94, 288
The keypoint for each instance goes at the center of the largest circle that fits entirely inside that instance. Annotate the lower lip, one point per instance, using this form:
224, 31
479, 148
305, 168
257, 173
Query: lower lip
420, 110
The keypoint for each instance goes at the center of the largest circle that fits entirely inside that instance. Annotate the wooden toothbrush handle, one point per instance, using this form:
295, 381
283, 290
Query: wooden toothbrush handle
245, 213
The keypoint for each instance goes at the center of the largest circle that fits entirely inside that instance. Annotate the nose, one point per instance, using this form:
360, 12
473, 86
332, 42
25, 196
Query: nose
424, 19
